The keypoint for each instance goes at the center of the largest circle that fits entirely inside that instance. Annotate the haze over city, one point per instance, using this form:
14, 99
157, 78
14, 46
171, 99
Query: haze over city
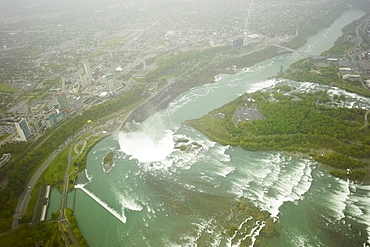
184, 122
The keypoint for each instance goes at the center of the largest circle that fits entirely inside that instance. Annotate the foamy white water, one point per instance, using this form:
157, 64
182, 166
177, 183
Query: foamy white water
88, 176
120, 217
174, 186
147, 146
274, 182
358, 205
352, 100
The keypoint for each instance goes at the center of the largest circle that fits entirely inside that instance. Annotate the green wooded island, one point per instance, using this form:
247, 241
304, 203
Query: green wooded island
108, 161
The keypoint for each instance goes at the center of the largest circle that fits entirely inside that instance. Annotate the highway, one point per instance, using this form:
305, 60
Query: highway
359, 38
26, 194
62, 216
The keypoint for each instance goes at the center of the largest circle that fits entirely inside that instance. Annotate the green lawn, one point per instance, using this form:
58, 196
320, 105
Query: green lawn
3, 137
5, 87
54, 174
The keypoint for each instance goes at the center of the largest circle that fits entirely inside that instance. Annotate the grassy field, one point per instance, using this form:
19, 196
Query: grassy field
5, 87
4, 136
54, 174
211, 126
108, 118
85, 136
9, 238
33, 200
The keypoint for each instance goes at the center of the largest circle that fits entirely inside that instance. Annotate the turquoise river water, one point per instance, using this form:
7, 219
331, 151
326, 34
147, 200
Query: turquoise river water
157, 195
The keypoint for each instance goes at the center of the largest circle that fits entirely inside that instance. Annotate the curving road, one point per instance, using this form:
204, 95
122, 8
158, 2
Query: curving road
359, 38
26, 194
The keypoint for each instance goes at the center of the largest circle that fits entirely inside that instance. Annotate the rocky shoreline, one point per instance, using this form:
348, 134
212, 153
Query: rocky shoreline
108, 162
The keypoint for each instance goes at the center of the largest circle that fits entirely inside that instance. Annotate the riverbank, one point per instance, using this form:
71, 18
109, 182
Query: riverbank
229, 64
168, 198
293, 123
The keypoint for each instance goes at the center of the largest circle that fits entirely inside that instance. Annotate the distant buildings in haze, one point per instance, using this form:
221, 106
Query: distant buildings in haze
86, 76
110, 81
239, 42
63, 103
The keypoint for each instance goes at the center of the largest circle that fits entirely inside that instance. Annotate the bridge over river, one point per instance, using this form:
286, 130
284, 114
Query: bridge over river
284, 48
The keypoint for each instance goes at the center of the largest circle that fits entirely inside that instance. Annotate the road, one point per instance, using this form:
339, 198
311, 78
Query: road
62, 216
26, 194
359, 38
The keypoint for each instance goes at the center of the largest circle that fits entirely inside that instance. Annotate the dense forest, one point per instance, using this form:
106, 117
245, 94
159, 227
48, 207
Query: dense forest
293, 122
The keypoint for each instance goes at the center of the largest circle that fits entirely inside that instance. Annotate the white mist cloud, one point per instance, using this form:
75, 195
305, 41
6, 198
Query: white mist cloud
147, 147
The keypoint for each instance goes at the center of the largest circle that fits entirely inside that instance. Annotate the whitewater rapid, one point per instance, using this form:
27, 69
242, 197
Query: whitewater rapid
161, 195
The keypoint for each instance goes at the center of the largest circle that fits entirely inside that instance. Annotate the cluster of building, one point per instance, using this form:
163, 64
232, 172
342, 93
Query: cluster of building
355, 68
66, 101
119, 41
94, 85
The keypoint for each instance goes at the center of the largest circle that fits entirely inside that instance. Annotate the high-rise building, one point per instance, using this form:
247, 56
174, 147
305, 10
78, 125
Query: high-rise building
110, 81
76, 88
84, 81
87, 70
50, 121
54, 119
23, 130
63, 103
238, 42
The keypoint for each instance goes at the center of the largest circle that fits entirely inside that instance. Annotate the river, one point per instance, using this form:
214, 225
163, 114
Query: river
158, 195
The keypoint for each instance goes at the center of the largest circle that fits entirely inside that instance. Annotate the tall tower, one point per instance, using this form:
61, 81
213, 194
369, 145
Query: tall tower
63, 103
87, 70
23, 129
110, 81
63, 85
84, 81
239, 42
